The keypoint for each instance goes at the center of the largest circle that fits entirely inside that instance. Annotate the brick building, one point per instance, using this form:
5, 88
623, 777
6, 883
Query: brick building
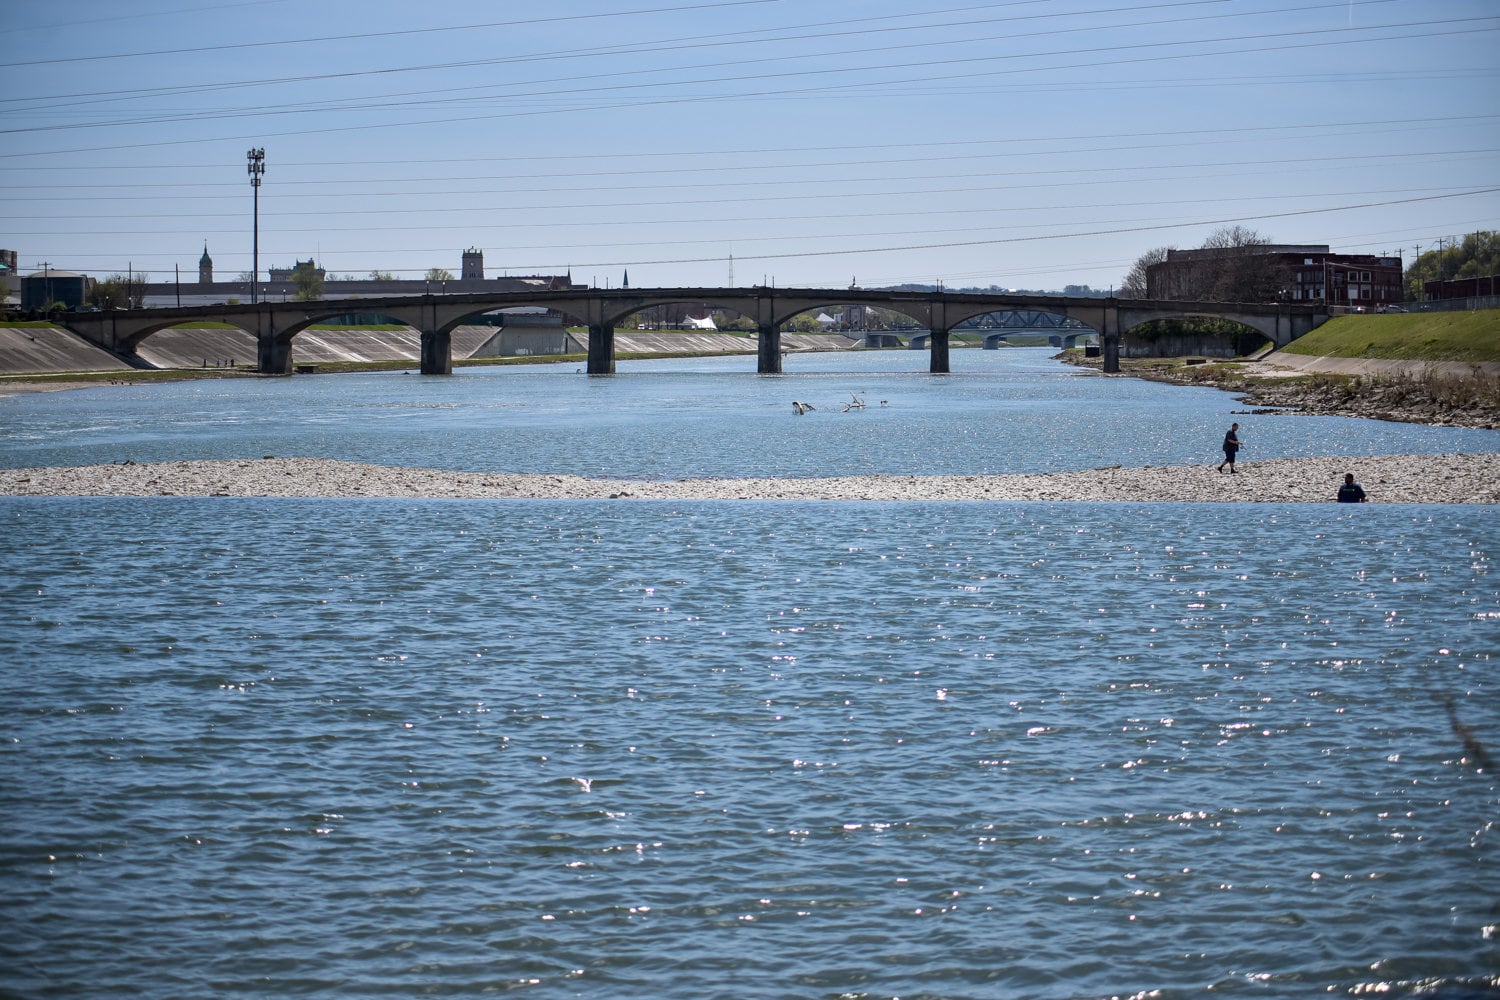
1462, 288
1293, 273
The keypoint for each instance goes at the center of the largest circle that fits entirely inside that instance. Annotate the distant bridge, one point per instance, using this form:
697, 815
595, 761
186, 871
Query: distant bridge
999, 327
276, 324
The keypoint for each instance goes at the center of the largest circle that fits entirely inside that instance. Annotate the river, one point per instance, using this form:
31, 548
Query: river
367, 748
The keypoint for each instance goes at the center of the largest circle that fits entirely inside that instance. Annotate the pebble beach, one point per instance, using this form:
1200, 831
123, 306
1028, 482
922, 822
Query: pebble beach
1471, 479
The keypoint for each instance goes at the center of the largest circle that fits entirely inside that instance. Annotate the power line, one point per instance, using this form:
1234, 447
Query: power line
817, 30
1326, 164
390, 34
468, 229
383, 102
1092, 61
1319, 130
1027, 239
1009, 240
1158, 170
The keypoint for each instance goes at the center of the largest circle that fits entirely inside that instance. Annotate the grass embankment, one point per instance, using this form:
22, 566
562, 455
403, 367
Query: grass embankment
1422, 395
1469, 337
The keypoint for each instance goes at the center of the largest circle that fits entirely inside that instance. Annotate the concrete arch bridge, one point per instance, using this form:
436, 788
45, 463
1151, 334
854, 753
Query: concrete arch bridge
275, 324
999, 327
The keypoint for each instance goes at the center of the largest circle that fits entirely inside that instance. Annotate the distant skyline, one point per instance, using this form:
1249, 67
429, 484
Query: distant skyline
1028, 144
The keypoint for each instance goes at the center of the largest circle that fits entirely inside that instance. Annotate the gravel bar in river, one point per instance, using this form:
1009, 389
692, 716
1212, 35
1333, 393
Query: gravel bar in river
1386, 479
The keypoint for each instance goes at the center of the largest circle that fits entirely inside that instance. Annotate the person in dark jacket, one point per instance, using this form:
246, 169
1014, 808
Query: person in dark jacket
1231, 445
1351, 492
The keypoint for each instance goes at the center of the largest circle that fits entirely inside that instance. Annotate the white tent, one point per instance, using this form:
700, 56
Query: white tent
706, 323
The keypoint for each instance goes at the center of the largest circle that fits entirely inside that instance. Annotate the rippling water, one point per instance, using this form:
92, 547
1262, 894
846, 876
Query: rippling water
395, 748
743, 749
1001, 411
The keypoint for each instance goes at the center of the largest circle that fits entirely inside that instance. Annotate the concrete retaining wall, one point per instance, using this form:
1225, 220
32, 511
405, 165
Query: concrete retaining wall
1189, 345
41, 349
52, 349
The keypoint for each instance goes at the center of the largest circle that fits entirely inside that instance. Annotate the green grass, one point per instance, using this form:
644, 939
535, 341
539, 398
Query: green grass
1468, 337
362, 328
198, 324
126, 375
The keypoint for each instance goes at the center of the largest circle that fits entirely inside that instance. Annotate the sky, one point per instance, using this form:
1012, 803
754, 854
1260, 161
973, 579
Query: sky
1031, 144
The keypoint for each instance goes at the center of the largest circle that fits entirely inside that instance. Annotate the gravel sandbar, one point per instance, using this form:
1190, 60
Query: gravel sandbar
1470, 479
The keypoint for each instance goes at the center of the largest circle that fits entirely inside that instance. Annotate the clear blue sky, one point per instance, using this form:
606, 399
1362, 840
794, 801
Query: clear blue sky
816, 142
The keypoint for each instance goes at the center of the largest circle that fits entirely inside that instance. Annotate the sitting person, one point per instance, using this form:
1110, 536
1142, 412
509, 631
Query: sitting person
1351, 492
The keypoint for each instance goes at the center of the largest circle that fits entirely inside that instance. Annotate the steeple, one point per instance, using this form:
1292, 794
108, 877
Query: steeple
205, 267
473, 265
626, 282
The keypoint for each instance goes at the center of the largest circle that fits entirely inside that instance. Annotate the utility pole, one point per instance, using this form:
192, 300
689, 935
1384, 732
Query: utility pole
256, 166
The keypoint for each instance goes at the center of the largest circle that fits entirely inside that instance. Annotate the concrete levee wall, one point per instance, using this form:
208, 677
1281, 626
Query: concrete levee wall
182, 347
45, 349
1178, 346
523, 342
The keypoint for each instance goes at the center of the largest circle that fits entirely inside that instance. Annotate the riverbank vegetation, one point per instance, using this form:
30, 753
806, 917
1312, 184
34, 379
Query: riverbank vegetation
1423, 391
1468, 337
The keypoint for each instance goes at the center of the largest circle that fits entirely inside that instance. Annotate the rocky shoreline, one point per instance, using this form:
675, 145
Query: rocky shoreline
1468, 479
1444, 395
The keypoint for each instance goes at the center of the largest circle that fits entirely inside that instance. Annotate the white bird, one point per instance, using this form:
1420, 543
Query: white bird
802, 408
587, 784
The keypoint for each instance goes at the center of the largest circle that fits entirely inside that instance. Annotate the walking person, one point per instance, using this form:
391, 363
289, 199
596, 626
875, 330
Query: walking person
1351, 492
1231, 445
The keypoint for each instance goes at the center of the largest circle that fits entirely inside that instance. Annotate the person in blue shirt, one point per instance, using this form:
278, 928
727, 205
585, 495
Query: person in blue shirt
1351, 492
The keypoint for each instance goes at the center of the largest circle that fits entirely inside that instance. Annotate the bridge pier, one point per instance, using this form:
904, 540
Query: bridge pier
601, 349
937, 363
1109, 338
1111, 353
275, 325
437, 352
769, 342
273, 356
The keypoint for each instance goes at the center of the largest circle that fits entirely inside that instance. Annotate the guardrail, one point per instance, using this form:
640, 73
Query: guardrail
1454, 305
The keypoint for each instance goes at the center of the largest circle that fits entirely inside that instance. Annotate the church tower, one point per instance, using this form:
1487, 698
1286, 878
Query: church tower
473, 268
205, 268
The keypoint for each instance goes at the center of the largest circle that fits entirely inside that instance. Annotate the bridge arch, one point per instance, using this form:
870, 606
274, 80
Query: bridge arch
1213, 335
1265, 325
274, 324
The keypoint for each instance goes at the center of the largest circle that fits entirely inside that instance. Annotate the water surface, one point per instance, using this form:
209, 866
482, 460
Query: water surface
361, 748
1002, 411
343, 748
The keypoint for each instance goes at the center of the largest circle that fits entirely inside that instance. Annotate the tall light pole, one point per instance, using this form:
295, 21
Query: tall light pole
256, 166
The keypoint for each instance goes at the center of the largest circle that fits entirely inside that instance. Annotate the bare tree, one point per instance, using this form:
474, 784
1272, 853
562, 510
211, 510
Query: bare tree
1234, 264
1234, 238
1244, 270
1134, 284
